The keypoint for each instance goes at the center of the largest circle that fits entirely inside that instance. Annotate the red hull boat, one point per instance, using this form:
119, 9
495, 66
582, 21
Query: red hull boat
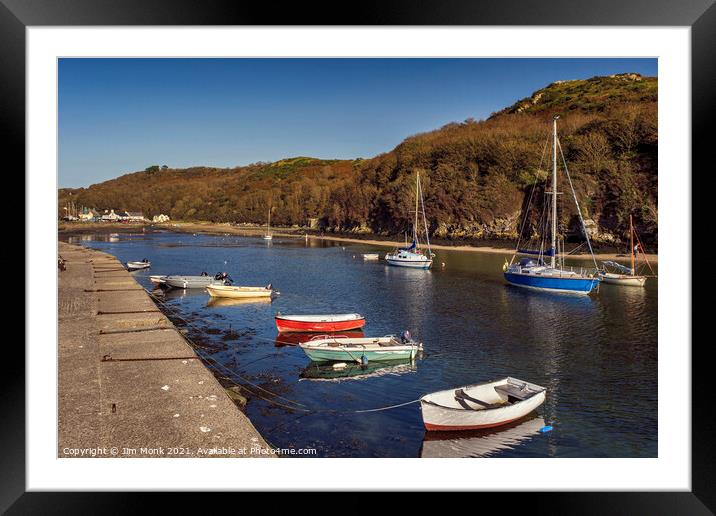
313, 323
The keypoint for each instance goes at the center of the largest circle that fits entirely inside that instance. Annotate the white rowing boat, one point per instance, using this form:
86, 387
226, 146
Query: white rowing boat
483, 405
136, 266
371, 256
233, 292
158, 280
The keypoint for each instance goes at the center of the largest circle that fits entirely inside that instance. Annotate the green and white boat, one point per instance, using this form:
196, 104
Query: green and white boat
327, 348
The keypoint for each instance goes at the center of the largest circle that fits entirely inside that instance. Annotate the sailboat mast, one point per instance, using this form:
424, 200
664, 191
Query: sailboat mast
554, 191
631, 243
417, 194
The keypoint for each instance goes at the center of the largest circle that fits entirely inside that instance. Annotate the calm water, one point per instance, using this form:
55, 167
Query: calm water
596, 355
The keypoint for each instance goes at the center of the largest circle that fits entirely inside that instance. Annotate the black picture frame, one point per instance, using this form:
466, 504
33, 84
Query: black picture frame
700, 15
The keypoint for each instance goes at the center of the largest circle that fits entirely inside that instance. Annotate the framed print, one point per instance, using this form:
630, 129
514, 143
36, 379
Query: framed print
453, 243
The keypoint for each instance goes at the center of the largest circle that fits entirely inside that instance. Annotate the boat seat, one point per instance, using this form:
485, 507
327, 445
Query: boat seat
514, 392
461, 397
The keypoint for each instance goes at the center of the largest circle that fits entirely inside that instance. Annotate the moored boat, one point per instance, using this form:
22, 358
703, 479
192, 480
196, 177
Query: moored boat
483, 405
412, 256
617, 274
137, 266
371, 256
158, 280
323, 348
555, 277
231, 291
316, 323
625, 280
201, 281
268, 235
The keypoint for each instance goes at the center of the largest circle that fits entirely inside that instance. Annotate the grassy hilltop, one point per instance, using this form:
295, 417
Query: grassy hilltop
477, 174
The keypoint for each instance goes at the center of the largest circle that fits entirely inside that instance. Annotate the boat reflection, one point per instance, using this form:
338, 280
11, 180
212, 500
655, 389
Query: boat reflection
177, 293
296, 338
341, 371
480, 443
216, 302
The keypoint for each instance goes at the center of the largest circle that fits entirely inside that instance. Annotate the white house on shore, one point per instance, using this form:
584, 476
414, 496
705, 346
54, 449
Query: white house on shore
135, 216
160, 218
89, 215
109, 216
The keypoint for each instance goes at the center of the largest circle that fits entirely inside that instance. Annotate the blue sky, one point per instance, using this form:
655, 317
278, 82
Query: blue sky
122, 115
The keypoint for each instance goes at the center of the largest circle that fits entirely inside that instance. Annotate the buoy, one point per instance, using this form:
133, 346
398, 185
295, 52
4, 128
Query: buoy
545, 429
364, 360
339, 365
442, 264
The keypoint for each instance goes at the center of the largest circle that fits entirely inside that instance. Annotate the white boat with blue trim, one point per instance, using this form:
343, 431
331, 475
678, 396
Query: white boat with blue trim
535, 273
411, 255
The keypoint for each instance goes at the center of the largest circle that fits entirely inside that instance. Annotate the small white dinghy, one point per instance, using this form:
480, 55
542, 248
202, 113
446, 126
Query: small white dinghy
239, 292
483, 405
371, 256
158, 280
136, 266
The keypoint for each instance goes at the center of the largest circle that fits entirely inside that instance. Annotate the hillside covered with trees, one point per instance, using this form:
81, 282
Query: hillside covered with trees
477, 175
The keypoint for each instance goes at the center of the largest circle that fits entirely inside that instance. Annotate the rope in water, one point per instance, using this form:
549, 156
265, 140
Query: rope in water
297, 406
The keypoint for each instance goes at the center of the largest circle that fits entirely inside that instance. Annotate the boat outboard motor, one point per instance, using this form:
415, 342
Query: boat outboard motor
204, 273
220, 276
405, 336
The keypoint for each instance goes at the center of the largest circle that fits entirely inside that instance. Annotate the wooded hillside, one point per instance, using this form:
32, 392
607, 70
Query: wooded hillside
476, 175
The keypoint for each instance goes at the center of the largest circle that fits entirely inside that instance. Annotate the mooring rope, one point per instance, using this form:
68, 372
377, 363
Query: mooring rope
298, 406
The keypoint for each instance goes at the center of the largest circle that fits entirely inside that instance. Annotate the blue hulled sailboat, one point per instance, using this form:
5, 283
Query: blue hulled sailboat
534, 272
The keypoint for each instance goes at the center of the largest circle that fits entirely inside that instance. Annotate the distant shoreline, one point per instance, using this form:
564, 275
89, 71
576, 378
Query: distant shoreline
224, 228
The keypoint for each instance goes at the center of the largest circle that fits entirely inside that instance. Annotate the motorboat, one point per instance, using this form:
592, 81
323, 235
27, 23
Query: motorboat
364, 350
234, 292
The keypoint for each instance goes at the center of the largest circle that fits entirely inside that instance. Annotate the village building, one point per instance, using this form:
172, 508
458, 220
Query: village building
109, 216
160, 218
135, 216
89, 215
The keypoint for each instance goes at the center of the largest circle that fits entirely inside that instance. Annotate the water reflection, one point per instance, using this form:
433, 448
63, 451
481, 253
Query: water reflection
178, 293
353, 371
295, 338
480, 443
215, 302
596, 355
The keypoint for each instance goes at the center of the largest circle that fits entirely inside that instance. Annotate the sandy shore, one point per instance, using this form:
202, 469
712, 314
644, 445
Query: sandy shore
225, 228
